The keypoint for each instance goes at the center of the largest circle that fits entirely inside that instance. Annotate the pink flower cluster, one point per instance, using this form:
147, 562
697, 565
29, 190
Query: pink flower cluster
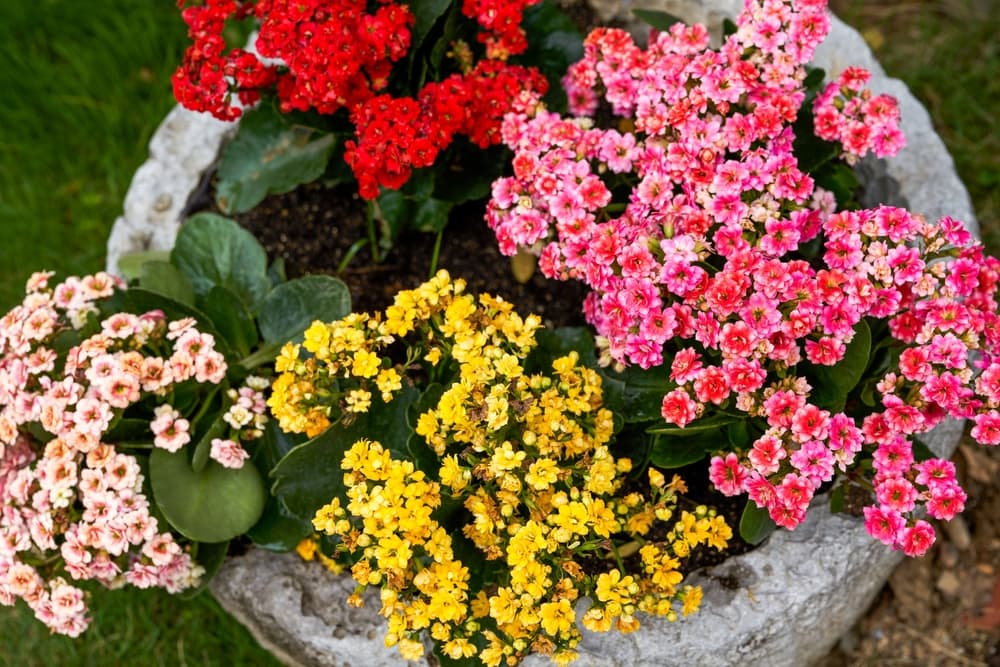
71, 503
689, 228
846, 113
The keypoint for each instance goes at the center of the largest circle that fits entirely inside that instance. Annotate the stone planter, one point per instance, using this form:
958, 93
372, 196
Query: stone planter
786, 603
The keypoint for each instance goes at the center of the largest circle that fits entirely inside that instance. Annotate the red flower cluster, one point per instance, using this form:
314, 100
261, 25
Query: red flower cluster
333, 54
208, 77
397, 135
501, 20
337, 54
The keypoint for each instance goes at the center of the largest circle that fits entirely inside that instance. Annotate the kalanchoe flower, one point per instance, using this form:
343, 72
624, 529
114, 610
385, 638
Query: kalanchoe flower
529, 458
74, 507
697, 232
333, 55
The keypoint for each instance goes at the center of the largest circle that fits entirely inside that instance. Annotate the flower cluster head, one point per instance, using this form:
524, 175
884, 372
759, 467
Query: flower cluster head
696, 230
73, 506
522, 470
330, 55
848, 114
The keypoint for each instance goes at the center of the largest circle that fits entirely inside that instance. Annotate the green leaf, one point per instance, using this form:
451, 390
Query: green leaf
431, 215
277, 529
738, 434
837, 497
706, 425
755, 524
555, 343
460, 181
309, 476
231, 319
214, 505
656, 19
276, 272
636, 394
393, 211
128, 430
204, 447
140, 300
554, 44
291, 307
425, 458
130, 265
921, 452
273, 445
269, 156
211, 250
729, 27
425, 14
814, 78
841, 180
164, 278
669, 452
832, 384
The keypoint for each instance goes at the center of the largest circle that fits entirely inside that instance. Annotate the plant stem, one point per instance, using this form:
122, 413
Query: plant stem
372, 234
264, 354
436, 253
351, 252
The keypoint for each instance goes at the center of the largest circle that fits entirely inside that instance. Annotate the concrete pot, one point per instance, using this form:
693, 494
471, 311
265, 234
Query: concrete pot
785, 603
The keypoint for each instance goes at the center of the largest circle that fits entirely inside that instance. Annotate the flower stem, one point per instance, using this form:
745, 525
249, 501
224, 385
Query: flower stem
436, 253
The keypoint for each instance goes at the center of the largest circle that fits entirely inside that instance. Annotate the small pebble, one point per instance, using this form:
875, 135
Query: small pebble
958, 533
949, 584
163, 203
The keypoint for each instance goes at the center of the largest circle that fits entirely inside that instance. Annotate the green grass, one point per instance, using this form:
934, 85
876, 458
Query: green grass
85, 84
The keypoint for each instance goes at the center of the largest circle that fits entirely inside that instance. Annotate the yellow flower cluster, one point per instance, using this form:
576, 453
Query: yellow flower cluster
345, 362
527, 462
547, 499
403, 550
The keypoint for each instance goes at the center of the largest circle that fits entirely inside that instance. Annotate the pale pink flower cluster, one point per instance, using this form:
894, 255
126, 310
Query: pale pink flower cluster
246, 418
690, 226
71, 504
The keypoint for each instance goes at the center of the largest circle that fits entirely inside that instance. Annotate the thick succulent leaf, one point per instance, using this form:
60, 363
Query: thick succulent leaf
212, 250
291, 307
269, 156
214, 505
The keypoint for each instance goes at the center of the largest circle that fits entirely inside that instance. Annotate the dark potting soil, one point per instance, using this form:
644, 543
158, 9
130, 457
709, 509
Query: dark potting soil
313, 228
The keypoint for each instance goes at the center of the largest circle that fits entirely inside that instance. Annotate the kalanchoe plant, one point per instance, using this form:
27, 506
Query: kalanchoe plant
703, 218
389, 88
474, 479
132, 424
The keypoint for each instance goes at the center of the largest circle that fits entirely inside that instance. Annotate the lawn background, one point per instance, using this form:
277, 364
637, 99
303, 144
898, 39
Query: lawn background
86, 83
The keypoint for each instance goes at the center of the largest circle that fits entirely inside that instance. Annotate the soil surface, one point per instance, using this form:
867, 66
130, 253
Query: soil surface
313, 229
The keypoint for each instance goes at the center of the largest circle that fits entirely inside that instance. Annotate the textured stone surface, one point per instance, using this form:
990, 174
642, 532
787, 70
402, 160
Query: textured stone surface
297, 611
183, 148
785, 603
